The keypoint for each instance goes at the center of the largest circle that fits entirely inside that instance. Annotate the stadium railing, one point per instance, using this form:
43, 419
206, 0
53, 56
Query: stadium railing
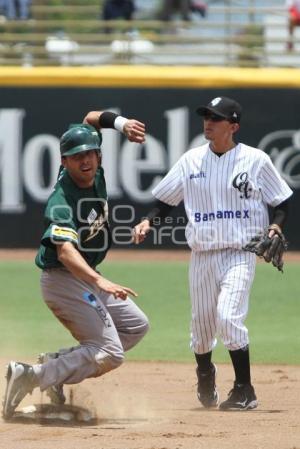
74, 35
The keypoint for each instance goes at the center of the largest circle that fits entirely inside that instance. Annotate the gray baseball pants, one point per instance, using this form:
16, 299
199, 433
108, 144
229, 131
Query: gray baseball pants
105, 328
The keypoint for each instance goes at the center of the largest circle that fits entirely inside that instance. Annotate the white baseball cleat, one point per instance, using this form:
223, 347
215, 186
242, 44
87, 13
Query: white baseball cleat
21, 380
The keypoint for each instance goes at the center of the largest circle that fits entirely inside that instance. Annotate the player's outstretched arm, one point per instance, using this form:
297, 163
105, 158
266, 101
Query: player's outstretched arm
75, 263
133, 129
92, 118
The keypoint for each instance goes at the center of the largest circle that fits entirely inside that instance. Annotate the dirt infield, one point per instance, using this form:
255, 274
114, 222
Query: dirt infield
154, 406
113, 255
129, 255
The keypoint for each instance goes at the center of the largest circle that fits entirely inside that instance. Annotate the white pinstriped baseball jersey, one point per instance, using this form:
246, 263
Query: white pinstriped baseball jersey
226, 198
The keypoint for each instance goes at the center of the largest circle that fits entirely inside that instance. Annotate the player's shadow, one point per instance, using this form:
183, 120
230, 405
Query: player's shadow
216, 410
68, 416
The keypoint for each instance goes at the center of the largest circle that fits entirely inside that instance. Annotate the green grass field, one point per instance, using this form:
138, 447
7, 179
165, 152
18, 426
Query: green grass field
28, 327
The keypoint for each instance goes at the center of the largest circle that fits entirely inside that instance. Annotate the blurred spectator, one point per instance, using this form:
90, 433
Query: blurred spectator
118, 9
16, 9
184, 7
294, 20
199, 7
172, 6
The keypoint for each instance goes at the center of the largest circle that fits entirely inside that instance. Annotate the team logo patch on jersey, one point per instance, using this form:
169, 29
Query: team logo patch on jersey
243, 185
97, 223
92, 216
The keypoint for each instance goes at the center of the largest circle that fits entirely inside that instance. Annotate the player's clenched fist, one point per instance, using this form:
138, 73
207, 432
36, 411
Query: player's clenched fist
134, 131
132, 128
140, 231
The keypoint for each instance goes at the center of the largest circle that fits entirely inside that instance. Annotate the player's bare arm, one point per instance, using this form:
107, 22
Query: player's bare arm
75, 263
133, 129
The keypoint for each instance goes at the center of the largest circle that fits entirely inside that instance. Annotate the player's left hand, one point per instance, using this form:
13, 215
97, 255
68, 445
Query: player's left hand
134, 131
270, 245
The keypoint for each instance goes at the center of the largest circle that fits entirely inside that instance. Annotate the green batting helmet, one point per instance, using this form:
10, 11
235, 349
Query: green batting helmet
80, 138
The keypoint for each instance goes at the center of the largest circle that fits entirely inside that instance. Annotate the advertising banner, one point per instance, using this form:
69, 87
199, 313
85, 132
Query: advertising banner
32, 119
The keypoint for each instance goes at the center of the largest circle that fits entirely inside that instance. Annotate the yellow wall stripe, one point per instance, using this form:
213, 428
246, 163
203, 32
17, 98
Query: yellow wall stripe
149, 76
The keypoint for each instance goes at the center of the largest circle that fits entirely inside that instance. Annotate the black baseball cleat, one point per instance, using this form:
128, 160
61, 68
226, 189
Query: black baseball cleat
241, 397
21, 380
206, 390
55, 392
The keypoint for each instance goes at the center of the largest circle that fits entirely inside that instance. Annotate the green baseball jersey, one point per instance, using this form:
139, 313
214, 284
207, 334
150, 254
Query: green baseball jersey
79, 216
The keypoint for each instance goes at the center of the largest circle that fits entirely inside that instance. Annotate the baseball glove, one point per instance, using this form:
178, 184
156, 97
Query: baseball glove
270, 248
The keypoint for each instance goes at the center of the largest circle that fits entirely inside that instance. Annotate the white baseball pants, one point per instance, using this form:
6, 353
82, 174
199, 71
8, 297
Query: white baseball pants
220, 283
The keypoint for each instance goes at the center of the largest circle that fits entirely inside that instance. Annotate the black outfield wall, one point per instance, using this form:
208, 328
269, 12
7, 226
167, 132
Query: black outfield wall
32, 118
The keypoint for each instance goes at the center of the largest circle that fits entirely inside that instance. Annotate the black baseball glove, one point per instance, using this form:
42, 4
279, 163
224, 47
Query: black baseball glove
270, 248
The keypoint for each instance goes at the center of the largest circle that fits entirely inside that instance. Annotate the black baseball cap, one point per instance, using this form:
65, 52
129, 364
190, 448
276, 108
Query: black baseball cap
223, 107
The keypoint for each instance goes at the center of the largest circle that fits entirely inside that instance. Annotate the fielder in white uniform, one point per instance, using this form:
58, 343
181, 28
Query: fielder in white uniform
226, 188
